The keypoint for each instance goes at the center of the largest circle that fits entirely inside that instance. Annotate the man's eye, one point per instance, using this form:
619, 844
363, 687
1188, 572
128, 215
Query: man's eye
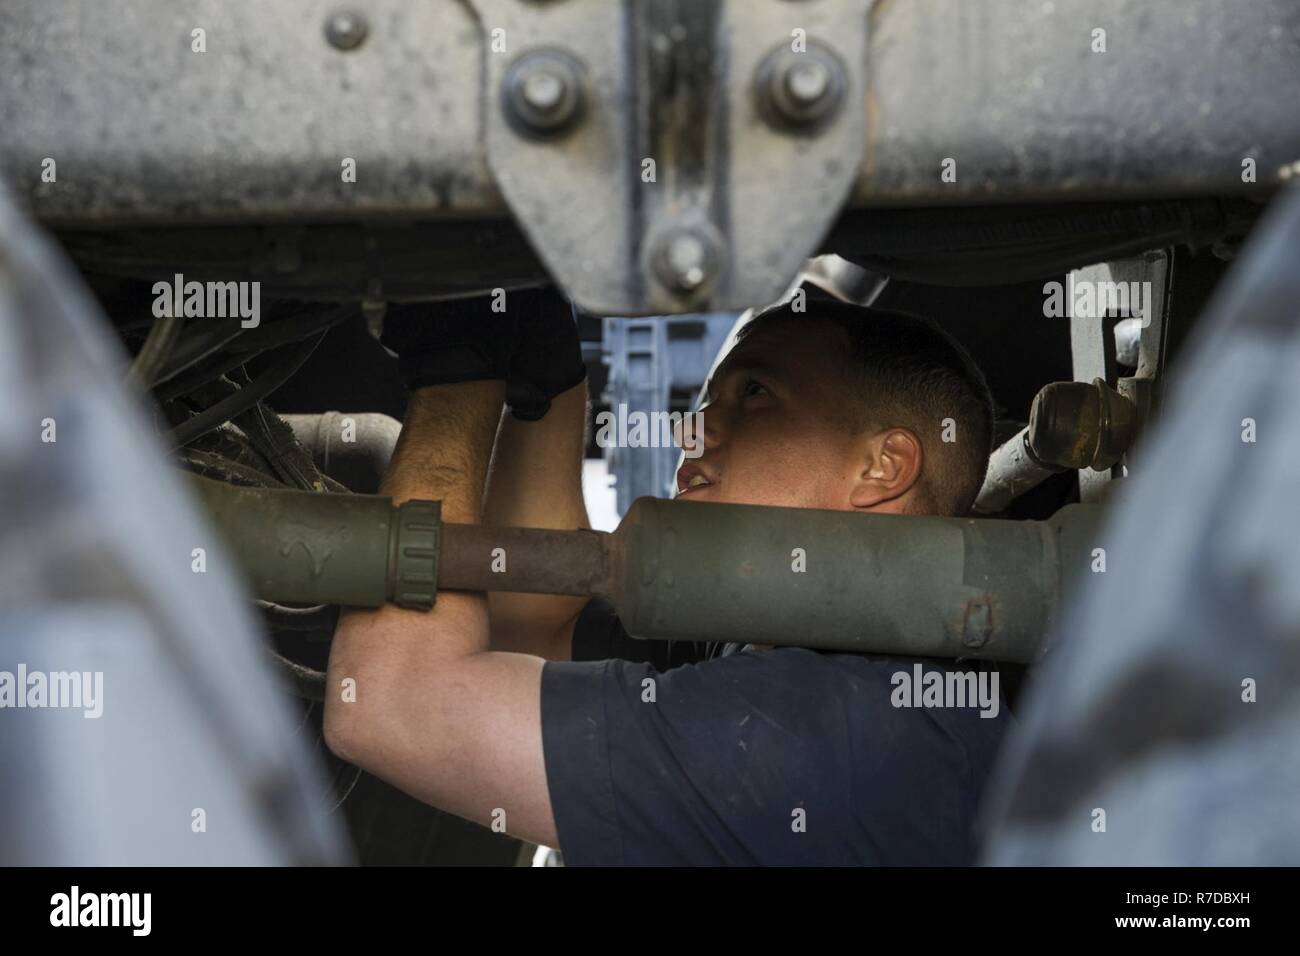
754, 388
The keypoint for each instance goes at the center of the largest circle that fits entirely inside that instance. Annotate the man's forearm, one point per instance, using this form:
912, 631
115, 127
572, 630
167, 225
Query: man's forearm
416, 698
444, 447
441, 455
536, 477
536, 482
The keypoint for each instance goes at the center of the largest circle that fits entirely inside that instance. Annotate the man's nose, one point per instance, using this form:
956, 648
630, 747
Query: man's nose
713, 418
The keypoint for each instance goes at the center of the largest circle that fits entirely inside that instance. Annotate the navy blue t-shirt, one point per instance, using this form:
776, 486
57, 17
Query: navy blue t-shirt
673, 753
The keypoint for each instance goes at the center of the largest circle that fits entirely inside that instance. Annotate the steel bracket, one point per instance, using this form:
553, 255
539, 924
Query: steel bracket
674, 155
1091, 336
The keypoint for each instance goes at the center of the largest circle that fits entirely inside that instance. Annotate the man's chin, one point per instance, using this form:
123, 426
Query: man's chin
709, 493
716, 496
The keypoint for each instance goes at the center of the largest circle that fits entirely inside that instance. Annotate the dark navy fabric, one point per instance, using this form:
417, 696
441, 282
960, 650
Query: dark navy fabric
758, 757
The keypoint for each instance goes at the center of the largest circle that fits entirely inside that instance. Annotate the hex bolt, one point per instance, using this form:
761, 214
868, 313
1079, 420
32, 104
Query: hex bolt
800, 91
686, 261
346, 30
687, 258
806, 83
543, 93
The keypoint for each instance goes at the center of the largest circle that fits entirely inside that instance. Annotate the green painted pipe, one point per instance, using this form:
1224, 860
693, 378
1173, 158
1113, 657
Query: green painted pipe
300, 547
915, 585
893, 584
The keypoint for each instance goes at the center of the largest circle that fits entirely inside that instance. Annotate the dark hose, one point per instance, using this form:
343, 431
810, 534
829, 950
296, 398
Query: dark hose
157, 348
244, 399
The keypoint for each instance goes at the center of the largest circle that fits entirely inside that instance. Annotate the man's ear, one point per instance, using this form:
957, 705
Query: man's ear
890, 466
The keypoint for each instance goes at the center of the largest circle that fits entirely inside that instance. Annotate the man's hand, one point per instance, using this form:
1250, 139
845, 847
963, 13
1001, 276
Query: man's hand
548, 359
527, 338
418, 699
444, 343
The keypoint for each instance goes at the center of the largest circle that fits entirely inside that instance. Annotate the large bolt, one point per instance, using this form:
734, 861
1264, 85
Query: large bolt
686, 261
544, 92
800, 90
346, 30
807, 84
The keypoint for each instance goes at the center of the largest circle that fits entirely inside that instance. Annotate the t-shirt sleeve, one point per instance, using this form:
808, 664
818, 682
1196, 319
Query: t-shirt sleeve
598, 635
706, 764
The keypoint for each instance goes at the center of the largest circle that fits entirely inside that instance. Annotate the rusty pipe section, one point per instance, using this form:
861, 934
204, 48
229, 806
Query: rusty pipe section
528, 560
889, 584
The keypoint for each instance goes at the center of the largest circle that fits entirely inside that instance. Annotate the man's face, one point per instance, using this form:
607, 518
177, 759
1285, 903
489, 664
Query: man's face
774, 430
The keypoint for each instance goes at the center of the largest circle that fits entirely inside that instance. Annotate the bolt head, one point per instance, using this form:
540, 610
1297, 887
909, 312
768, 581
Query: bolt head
346, 30
687, 260
543, 93
801, 92
807, 82
543, 90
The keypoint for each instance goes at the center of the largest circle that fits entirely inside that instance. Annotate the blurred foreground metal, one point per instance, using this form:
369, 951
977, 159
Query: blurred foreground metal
1165, 730
192, 758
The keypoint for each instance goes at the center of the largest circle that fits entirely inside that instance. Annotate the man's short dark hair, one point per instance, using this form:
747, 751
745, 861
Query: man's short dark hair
911, 374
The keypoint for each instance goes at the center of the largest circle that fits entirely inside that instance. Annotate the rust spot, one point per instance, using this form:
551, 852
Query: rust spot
878, 12
977, 621
872, 127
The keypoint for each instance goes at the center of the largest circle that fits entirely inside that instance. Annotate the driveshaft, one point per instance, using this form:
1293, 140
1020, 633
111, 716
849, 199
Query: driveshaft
684, 570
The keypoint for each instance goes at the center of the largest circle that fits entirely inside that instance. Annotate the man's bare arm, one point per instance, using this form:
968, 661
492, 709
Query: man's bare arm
434, 712
536, 482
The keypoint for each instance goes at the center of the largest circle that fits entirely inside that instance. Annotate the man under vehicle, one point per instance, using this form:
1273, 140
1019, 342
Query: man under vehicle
532, 709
